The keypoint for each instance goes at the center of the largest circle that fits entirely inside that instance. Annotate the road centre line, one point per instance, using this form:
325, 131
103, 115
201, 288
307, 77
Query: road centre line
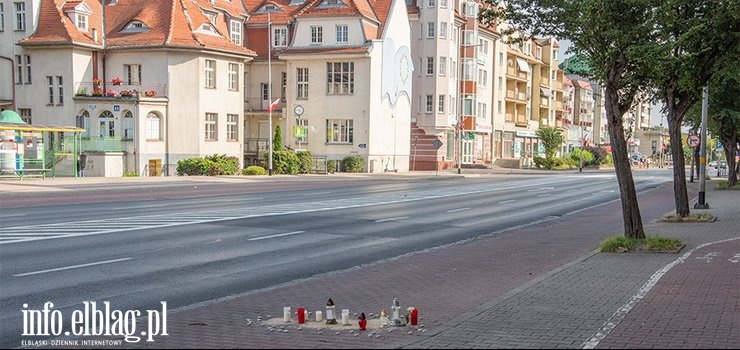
509, 201
392, 219
12, 215
277, 235
456, 210
71, 267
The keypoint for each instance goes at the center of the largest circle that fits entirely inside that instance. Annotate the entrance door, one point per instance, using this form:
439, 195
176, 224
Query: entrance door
468, 151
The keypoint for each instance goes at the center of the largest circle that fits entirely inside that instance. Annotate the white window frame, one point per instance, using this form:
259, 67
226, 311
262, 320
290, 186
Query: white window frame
280, 36
232, 127
2, 17
340, 78
233, 76
20, 15
429, 104
60, 90
443, 30
81, 21
302, 83
304, 123
133, 74
211, 127
106, 119
430, 65
342, 33
469, 37
431, 3
210, 74
317, 35
27, 65
128, 125
471, 9
235, 29
482, 77
441, 104
443, 4
483, 46
442, 65
339, 131
469, 65
50, 83
431, 26
153, 127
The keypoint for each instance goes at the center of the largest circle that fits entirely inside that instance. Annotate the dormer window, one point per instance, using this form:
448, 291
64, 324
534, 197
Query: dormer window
269, 8
211, 17
208, 28
81, 21
135, 27
331, 4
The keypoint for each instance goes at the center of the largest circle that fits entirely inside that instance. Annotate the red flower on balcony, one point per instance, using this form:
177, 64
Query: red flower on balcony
150, 93
117, 81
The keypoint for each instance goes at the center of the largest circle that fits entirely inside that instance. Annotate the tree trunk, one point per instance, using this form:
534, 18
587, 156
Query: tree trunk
729, 146
630, 208
680, 191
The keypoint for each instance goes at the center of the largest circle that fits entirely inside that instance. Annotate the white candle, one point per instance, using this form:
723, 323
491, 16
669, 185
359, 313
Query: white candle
286, 314
319, 316
345, 317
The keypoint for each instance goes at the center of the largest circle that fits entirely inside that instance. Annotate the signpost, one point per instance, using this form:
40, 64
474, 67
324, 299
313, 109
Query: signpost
437, 145
693, 140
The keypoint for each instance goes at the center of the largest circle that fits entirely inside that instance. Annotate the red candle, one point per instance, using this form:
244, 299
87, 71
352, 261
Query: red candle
301, 315
414, 318
362, 321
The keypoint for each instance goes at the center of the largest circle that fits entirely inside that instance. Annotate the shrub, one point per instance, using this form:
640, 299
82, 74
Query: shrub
331, 166
131, 174
353, 164
254, 170
217, 164
599, 155
588, 158
193, 166
284, 162
540, 163
305, 161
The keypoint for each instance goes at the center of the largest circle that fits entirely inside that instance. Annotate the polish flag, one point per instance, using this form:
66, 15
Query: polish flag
272, 105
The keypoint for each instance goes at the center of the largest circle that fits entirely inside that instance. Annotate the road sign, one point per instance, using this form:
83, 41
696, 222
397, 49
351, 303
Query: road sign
437, 144
693, 141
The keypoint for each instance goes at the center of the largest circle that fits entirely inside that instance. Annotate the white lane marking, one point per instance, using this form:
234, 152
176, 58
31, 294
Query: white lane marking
277, 235
12, 215
509, 201
544, 195
143, 206
622, 312
456, 210
541, 188
72, 267
392, 219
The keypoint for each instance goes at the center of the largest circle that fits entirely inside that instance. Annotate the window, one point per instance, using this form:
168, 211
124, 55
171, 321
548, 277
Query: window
210, 74
212, 17
453, 68
152, 126
538, 52
429, 105
20, 15
128, 125
2, 17
234, 76
83, 122
430, 65
211, 124
339, 131
303, 125
236, 32
468, 69
50, 83
500, 83
442, 65
454, 34
81, 22
468, 106
342, 33
441, 104
443, 4
133, 73
302, 83
25, 114
443, 30
28, 69
452, 105
501, 59
499, 106
340, 78
280, 36
471, 9
430, 30
232, 127
483, 77
430, 3
483, 46
482, 109
469, 37
60, 88
508, 147
264, 87
317, 35
107, 124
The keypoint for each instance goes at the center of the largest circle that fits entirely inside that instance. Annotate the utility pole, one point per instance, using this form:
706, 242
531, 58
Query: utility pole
269, 94
701, 203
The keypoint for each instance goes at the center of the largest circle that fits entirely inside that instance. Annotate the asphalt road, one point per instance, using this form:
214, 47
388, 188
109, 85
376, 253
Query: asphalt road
136, 254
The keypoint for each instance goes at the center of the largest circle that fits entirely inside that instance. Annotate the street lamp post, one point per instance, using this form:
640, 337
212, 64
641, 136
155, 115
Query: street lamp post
269, 95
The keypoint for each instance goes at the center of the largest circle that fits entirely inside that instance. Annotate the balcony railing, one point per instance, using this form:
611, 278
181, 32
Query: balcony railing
545, 102
257, 103
515, 73
255, 146
545, 82
96, 144
123, 90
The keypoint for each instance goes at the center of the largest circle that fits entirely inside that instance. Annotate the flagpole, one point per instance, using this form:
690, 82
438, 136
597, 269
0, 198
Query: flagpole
269, 93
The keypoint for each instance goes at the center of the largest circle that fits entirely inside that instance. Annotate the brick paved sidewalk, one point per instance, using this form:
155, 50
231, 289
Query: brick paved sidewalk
541, 286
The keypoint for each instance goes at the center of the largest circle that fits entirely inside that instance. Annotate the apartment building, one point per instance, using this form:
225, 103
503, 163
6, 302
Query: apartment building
18, 19
533, 92
151, 82
345, 73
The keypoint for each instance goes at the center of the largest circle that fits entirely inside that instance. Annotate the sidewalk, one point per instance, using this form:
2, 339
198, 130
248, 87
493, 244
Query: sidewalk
540, 286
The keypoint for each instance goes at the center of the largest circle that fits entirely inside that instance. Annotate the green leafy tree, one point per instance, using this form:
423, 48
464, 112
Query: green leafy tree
277, 140
694, 36
552, 139
616, 38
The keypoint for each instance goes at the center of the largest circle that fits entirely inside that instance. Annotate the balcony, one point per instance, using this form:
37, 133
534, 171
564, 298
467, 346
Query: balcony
513, 72
518, 97
544, 101
545, 81
139, 90
97, 144
257, 103
521, 122
255, 146
557, 85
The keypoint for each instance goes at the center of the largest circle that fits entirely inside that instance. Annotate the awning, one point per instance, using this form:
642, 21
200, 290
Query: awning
523, 65
36, 127
545, 91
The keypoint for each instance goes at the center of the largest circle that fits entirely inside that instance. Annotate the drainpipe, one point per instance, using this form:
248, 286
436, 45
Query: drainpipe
12, 76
